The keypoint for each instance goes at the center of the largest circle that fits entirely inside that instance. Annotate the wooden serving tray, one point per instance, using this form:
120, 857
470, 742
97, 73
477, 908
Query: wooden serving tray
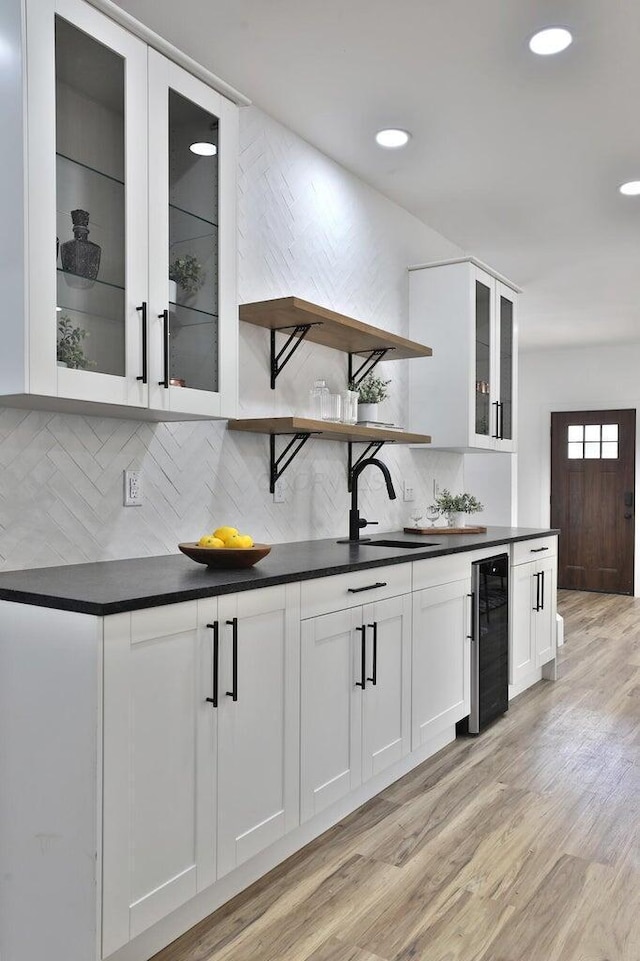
445, 530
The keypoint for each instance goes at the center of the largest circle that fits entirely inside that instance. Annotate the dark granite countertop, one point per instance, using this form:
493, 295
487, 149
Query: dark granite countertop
109, 587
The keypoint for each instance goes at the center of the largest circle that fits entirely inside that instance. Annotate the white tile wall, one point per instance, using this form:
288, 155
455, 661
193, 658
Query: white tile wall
307, 227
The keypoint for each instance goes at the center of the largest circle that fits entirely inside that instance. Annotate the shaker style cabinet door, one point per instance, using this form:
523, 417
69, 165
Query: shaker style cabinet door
87, 210
441, 659
159, 817
258, 721
193, 326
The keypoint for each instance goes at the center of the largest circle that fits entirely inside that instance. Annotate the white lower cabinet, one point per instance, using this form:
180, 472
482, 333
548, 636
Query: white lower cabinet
195, 751
355, 698
533, 611
441, 659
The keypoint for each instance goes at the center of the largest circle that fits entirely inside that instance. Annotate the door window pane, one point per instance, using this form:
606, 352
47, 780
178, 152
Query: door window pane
576, 432
574, 451
609, 431
592, 432
610, 449
591, 450
483, 359
90, 203
193, 244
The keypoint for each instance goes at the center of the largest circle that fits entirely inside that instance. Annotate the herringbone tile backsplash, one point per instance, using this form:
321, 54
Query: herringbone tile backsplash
306, 227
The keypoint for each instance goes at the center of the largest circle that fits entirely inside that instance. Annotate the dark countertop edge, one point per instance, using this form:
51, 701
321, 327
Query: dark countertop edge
254, 580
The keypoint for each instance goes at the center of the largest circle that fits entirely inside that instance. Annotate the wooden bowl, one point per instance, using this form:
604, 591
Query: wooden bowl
226, 558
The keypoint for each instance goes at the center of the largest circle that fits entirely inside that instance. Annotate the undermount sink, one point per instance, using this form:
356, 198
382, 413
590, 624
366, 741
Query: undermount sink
407, 544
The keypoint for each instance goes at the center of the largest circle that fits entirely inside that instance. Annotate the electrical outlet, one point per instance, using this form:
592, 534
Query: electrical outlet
132, 488
408, 493
278, 492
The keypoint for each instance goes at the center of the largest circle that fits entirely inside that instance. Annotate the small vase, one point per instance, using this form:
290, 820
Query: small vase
367, 412
80, 257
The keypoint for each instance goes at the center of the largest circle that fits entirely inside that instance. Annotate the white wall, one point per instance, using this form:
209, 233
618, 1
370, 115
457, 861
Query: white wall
306, 227
591, 378
491, 477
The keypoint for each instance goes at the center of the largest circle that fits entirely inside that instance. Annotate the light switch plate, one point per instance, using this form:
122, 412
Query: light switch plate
132, 488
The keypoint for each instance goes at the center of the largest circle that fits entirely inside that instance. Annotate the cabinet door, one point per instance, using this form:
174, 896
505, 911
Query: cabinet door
522, 652
159, 773
87, 176
330, 709
482, 426
386, 722
545, 618
505, 366
441, 659
258, 721
192, 219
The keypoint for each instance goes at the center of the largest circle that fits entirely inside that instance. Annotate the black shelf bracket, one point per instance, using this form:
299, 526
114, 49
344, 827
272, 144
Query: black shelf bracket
280, 360
370, 451
278, 465
373, 357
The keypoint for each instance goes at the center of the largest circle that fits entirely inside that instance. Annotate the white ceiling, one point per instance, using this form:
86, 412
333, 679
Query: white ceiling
516, 158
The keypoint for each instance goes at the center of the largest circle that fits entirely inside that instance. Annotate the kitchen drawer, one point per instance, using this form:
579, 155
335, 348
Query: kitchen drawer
535, 550
440, 570
326, 594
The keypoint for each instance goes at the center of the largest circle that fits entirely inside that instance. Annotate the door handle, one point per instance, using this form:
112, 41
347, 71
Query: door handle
233, 694
628, 517
374, 672
143, 310
537, 607
363, 657
214, 700
164, 317
470, 637
542, 591
496, 404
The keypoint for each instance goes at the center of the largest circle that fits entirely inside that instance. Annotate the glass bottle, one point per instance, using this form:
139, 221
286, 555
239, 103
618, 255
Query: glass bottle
319, 396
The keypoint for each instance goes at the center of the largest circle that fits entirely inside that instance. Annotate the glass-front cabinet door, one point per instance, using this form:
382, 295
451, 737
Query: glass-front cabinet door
88, 208
484, 386
505, 367
193, 311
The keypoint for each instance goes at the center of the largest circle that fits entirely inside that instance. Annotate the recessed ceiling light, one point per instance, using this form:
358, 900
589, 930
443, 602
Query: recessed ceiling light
550, 40
392, 137
204, 149
631, 188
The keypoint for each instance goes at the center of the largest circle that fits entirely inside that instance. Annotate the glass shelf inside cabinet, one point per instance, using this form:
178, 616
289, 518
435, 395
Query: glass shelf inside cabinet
193, 245
90, 203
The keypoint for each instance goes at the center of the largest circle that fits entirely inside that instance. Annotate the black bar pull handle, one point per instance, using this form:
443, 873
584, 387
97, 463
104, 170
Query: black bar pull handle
164, 316
496, 404
537, 607
233, 694
542, 591
363, 657
470, 637
501, 409
374, 671
536, 550
369, 587
143, 310
214, 627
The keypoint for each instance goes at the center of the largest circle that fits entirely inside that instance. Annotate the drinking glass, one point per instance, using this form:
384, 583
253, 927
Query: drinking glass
432, 514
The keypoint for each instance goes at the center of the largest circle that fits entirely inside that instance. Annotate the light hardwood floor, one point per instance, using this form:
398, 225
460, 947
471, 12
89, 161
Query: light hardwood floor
520, 845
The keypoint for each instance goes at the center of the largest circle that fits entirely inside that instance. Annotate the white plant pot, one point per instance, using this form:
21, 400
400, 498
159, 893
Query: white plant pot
455, 519
173, 292
368, 412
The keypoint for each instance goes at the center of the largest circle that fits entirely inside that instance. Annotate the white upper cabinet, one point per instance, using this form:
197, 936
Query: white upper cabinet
466, 392
114, 201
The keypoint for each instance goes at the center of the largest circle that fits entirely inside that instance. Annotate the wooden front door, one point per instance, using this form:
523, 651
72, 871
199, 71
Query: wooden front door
592, 498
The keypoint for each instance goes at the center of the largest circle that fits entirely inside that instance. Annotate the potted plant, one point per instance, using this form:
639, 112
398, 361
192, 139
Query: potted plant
371, 392
185, 272
455, 506
69, 346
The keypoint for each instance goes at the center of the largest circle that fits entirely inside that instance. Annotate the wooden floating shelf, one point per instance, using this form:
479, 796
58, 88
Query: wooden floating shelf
324, 430
330, 329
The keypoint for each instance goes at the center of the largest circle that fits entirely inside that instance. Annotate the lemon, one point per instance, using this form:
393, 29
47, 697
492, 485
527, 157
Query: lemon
247, 540
234, 541
210, 541
224, 533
